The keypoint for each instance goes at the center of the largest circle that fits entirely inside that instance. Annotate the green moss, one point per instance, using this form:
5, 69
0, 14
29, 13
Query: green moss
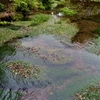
68, 12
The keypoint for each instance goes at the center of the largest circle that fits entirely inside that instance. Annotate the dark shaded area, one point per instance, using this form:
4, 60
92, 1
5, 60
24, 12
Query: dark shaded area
6, 2
86, 29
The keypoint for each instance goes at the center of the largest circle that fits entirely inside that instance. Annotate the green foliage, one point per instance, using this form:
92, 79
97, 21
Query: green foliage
68, 12
97, 31
25, 6
41, 7
62, 2
40, 18
1, 7
50, 4
46, 4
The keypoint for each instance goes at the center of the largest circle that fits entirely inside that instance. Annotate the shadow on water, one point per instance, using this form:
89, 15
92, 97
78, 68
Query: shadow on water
65, 68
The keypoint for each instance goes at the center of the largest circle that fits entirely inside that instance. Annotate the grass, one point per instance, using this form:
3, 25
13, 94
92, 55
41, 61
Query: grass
40, 18
11, 30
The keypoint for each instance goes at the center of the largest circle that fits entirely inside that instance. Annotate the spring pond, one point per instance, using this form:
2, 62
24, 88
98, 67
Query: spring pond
65, 68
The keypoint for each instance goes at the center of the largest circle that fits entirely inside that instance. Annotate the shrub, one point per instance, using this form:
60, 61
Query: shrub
39, 18
68, 12
50, 4
1, 7
25, 6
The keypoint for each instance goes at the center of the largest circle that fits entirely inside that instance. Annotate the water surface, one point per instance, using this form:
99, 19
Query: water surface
65, 68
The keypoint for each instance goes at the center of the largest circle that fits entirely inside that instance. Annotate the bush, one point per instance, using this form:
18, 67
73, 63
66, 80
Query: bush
39, 18
25, 6
68, 12
50, 4
1, 7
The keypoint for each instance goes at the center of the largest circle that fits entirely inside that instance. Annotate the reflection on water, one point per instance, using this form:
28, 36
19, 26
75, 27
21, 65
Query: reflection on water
66, 68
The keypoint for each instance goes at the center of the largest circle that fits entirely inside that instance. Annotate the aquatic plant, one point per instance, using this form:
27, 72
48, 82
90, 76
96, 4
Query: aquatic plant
8, 94
39, 18
91, 93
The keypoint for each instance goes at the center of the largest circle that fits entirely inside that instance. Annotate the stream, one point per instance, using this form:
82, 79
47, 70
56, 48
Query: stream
65, 68
50, 66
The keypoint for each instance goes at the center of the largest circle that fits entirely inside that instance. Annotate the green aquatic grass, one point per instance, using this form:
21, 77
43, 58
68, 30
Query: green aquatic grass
39, 18
90, 93
6, 94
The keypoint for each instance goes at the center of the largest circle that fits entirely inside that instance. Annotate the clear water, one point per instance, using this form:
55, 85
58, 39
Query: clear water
65, 68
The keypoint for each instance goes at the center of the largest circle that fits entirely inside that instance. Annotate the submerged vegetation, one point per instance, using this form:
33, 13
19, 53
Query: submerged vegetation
91, 93
23, 69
